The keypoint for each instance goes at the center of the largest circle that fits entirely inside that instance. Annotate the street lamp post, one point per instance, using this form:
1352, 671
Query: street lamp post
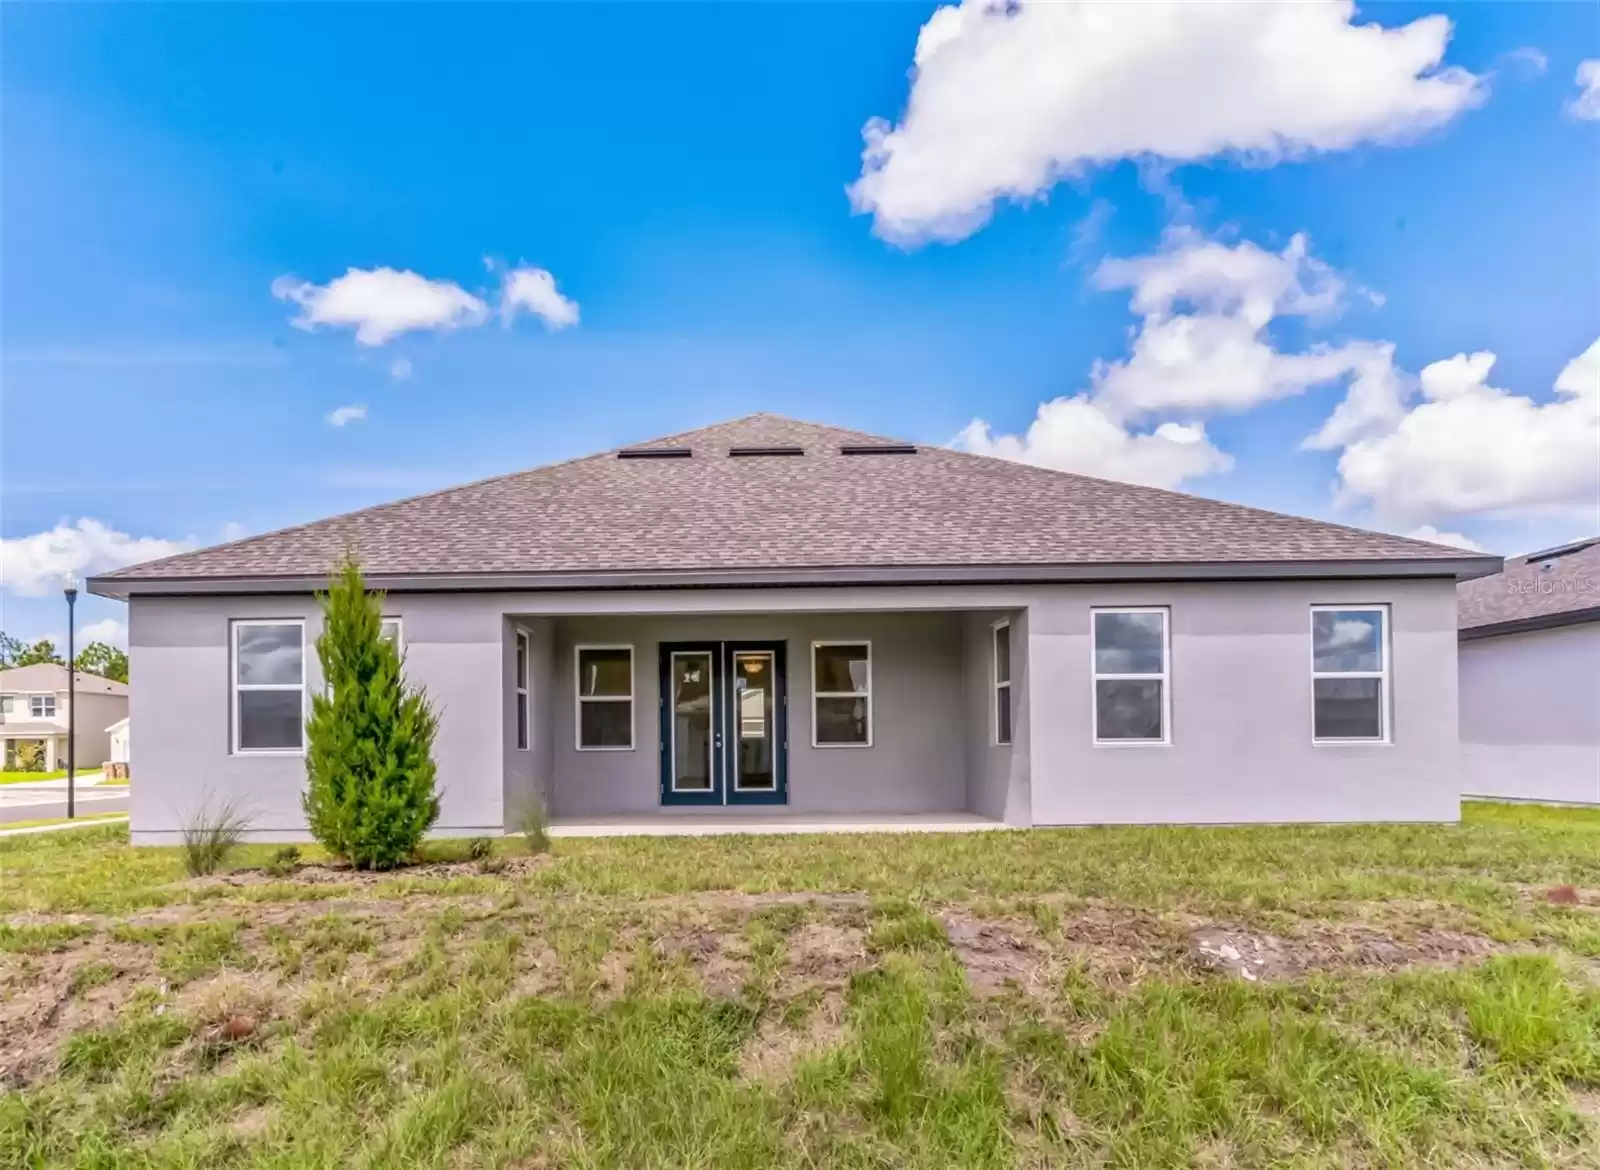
70, 589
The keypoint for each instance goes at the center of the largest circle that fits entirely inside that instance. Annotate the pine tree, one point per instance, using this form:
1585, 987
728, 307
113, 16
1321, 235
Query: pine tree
369, 761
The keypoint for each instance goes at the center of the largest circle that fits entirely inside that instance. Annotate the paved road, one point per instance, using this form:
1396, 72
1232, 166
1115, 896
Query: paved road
29, 802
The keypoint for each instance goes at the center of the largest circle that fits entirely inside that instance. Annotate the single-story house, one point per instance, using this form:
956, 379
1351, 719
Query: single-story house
35, 710
121, 741
1530, 678
778, 618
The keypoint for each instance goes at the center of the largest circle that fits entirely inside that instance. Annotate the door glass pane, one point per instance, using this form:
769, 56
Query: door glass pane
1127, 709
1348, 708
1128, 643
691, 722
1345, 640
753, 691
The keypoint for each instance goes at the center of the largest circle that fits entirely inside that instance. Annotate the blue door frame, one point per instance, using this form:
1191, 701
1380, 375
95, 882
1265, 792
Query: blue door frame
724, 726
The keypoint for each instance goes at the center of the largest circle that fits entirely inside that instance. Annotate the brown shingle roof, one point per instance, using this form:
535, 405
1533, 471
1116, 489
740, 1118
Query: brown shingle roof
823, 509
1534, 590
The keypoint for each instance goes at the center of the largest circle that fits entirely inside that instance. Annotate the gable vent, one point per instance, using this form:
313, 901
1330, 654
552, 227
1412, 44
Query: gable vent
878, 449
756, 452
654, 453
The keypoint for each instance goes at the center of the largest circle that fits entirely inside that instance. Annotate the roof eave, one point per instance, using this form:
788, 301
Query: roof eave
1463, 568
1543, 621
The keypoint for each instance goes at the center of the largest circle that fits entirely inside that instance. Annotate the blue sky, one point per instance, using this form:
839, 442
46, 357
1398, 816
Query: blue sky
683, 172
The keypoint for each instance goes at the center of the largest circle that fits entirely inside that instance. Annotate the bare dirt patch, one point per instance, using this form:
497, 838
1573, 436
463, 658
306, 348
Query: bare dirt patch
778, 1046
325, 873
1254, 956
995, 955
720, 959
43, 1001
822, 955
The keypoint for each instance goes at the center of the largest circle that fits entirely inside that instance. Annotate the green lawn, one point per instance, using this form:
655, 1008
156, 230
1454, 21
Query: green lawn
6, 826
58, 774
1064, 998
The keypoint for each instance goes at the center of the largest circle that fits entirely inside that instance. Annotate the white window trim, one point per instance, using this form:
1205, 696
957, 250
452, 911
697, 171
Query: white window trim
580, 698
1096, 676
399, 632
523, 658
1385, 693
42, 700
867, 694
234, 687
994, 678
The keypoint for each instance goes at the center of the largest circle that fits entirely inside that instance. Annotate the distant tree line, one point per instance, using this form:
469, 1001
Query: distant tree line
95, 658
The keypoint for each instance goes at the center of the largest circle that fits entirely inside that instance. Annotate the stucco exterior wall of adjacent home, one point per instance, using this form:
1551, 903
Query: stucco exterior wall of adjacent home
1241, 745
96, 713
180, 654
1530, 715
915, 764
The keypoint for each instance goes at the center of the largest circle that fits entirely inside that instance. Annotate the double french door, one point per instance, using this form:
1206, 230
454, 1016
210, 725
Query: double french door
724, 725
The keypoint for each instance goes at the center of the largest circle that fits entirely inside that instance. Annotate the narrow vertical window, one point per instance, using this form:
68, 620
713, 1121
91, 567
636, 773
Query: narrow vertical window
522, 691
841, 694
1350, 674
605, 698
1130, 676
389, 630
1002, 682
269, 681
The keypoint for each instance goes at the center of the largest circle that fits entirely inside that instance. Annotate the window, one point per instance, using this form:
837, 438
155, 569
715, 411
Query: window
522, 691
1002, 682
1349, 674
5, 704
1130, 675
390, 628
605, 698
269, 681
42, 706
841, 694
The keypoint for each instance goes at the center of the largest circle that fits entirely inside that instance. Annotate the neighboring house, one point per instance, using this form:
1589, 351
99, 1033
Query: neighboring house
1530, 678
34, 712
118, 732
779, 617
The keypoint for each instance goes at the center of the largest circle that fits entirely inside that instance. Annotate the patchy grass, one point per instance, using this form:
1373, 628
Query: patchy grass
1364, 996
81, 818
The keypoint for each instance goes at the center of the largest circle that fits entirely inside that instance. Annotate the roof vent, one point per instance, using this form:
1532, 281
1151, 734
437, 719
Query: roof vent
754, 452
878, 449
654, 453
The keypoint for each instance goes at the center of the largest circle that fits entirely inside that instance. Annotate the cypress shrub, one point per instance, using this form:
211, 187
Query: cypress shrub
370, 792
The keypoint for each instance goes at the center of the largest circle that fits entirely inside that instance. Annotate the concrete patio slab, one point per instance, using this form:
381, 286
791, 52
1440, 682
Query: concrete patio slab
720, 824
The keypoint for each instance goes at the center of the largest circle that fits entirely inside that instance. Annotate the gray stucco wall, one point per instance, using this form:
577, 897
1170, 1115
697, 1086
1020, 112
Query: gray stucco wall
996, 773
180, 656
1530, 715
917, 759
1240, 750
1241, 745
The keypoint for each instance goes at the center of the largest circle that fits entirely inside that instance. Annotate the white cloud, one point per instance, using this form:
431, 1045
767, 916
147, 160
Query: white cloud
400, 370
1201, 346
381, 303
1075, 434
346, 414
33, 566
1529, 59
1007, 98
1456, 539
1468, 447
233, 530
534, 289
110, 631
1586, 106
